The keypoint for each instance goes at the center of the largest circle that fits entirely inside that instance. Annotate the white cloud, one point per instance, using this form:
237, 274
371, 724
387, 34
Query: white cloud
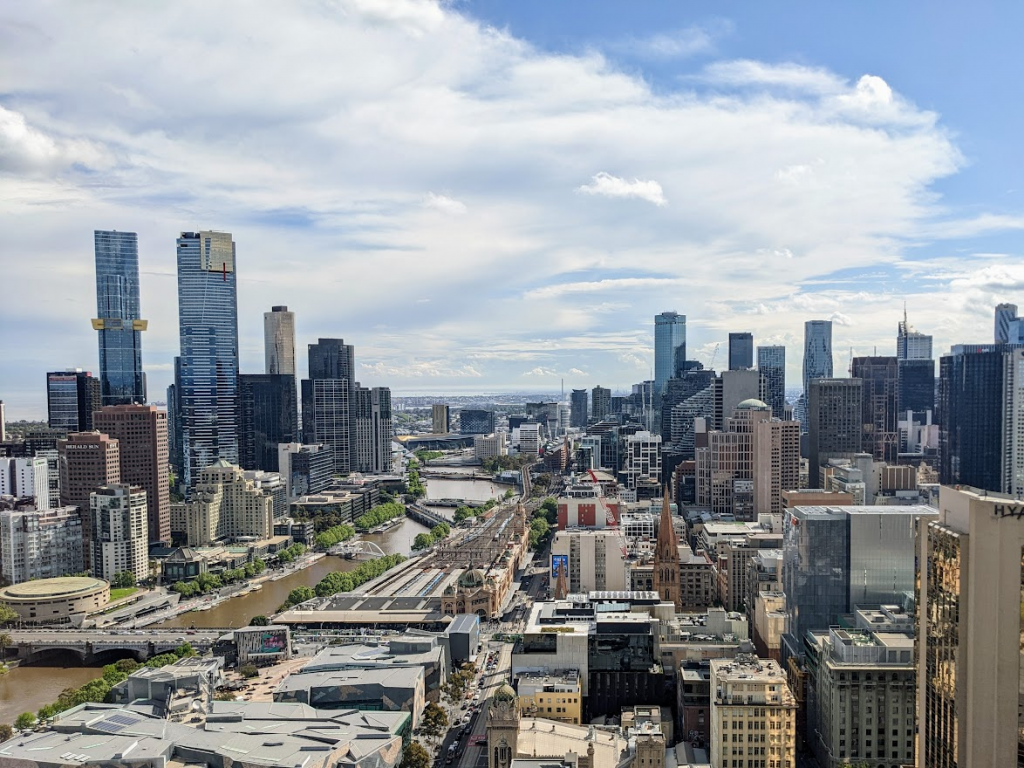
676, 44
606, 185
444, 170
840, 319
444, 204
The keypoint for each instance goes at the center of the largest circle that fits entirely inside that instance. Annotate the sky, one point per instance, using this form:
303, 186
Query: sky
489, 196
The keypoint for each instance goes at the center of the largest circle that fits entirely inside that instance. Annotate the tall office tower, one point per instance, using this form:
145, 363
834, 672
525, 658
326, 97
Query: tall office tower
208, 328
669, 344
87, 461
817, 351
119, 318
725, 465
771, 364
305, 469
750, 697
372, 428
328, 397
741, 351
601, 403
26, 477
141, 433
120, 534
666, 558
440, 419
3, 423
915, 386
279, 341
72, 397
40, 544
969, 669
474, 421
52, 459
268, 414
578, 405
776, 464
227, 506
880, 411
981, 417
642, 458
911, 344
835, 429
175, 447
1005, 314
837, 558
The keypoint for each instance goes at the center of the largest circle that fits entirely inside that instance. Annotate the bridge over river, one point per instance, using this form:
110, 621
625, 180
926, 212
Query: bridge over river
93, 645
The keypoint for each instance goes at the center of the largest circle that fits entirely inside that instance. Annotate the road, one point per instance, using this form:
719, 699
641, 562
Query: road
476, 756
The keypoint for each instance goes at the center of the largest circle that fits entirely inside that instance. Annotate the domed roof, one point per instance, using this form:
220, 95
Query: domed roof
471, 578
753, 404
506, 693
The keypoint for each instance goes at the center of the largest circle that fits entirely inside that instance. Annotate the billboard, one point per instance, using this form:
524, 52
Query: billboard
272, 641
559, 564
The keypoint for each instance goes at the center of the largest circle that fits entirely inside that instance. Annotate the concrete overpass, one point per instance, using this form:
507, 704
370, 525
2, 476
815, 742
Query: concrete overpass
92, 645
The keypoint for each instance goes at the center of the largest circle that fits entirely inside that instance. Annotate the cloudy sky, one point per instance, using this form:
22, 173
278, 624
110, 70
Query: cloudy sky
493, 196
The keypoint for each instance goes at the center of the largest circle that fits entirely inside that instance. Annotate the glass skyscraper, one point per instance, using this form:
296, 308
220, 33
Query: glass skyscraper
118, 320
669, 346
741, 351
817, 351
208, 327
771, 364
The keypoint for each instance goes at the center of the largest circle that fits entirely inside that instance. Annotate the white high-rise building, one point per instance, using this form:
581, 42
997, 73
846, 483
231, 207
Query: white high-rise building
642, 458
226, 506
26, 477
3, 423
529, 439
40, 544
596, 559
1005, 315
120, 531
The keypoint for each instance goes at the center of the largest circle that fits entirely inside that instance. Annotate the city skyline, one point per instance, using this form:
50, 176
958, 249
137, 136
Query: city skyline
908, 187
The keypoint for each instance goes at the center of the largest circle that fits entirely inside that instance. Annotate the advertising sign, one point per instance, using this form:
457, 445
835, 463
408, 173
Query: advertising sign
559, 564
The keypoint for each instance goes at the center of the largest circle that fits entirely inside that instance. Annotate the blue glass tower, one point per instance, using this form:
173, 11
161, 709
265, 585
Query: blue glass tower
669, 347
208, 327
118, 320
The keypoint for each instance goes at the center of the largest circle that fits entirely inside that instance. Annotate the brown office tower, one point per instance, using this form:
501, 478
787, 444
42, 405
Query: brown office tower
141, 431
87, 461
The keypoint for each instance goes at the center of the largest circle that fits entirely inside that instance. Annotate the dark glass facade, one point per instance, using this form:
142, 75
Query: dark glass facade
579, 408
476, 422
311, 470
771, 364
267, 415
118, 319
326, 419
71, 399
741, 351
835, 429
916, 386
879, 405
208, 331
971, 417
816, 579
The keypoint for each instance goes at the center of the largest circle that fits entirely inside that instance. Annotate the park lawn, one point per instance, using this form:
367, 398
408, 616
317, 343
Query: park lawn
122, 593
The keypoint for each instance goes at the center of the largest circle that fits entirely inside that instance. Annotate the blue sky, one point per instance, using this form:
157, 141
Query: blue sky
488, 196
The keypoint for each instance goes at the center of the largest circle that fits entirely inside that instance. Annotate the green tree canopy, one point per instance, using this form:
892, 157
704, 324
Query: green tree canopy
415, 756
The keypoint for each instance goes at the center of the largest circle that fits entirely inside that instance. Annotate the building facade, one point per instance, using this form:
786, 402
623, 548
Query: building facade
226, 506
40, 544
741, 351
879, 403
305, 469
475, 421
817, 351
120, 536
669, 346
771, 364
835, 430
279, 341
578, 409
372, 430
71, 399
440, 419
595, 559
268, 415
118, 318
601, 403
87, 461
26, 477
141, 433
208, 331
776, 463
1005, 315
642, 458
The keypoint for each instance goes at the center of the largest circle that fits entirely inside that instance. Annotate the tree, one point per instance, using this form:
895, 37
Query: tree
435, 722
455, 687
259, 621
301, 595
7, 615
25, 721
248, 670
422, 541
6, 732
5, 643
415, 756
123, 580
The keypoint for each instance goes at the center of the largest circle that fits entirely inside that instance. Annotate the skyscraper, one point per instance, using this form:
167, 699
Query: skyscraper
1005, 314
279, 341
475, 421
268, 414
817, 351
979, 412
120, 536
208, 330
372, 430
328, 398
741, 351
118, 318
669, 340
601, 398
911, 344
578, 405
87, 461
834, 412
880, 383
72, 397
141, 432
771, 364
440, 419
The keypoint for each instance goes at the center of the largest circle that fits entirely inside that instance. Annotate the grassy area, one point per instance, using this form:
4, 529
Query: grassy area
122, 593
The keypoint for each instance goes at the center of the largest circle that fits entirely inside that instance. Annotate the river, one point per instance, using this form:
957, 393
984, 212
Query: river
26, 689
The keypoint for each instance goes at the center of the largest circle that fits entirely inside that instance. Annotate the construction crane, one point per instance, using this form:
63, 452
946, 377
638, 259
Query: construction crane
714, 355
609, 517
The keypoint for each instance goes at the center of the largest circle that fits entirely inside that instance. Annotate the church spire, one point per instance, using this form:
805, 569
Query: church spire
666, 558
